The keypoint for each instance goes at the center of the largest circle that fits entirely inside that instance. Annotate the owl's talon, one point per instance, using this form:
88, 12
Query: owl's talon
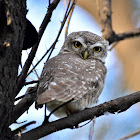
46, 120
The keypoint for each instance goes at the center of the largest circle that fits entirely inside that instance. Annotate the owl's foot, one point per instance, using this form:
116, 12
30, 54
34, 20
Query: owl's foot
46, 120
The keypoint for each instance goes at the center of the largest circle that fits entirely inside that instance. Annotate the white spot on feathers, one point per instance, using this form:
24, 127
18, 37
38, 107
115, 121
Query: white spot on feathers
83, 82
53, 83
96, 78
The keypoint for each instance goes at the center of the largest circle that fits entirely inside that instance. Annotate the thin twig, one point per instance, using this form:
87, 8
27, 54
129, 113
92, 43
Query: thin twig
39, 61
113, 45
33, 66
30, 78
27, 94
24, 104
92, 129
51, 51
22, 128
32, 82
68, 22
131, 135
35, 72
59, 107
67, 7
46, 118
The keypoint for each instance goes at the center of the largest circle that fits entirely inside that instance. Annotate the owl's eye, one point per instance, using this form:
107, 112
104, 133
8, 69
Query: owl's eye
77, 44
97, 49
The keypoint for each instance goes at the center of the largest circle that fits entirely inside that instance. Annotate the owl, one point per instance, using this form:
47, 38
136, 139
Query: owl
77, 73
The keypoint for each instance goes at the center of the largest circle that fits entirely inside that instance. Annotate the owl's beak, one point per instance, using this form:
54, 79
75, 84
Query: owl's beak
85, 55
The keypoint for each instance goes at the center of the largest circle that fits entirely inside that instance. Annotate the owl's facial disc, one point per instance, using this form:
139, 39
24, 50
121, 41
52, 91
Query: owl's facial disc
88, 49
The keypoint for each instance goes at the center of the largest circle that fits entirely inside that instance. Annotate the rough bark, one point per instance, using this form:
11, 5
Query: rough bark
12, 26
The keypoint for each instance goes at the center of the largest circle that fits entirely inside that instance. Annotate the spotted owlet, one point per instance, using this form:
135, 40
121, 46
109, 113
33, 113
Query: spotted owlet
77, 72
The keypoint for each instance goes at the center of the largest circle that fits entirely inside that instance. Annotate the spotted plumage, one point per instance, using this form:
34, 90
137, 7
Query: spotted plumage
77, 72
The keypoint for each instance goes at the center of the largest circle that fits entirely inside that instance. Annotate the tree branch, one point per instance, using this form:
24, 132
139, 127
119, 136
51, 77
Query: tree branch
118, 105
68, 22
127, 35
24, 104
131, 135
123, 36
22, 128
106, 20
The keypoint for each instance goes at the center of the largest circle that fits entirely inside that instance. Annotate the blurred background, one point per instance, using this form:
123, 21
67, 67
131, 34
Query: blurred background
123, 65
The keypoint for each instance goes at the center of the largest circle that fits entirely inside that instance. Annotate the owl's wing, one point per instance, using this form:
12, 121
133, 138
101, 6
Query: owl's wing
68, 80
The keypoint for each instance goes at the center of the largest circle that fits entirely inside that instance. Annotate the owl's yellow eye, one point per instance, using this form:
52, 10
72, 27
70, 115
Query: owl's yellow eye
97, 49
77, 44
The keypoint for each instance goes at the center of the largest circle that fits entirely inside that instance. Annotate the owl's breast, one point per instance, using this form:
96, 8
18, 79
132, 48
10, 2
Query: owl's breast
85, 70
87, 80
81, 76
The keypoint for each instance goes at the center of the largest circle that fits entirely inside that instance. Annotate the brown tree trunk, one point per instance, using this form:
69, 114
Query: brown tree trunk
12, 26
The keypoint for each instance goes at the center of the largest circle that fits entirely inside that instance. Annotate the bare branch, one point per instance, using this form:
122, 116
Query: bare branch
91, 132
23, 105
35, 72
31, 56
32, 82
22, 128
118, 105
68, 22
113, 45
123, 36
106, 20
131, 135
127, 35
39, 60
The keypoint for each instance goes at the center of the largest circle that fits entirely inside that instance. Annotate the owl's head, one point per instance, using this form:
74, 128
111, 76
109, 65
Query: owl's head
86, 45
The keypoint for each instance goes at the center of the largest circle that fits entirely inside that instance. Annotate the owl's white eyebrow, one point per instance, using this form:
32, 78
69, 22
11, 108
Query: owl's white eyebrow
96, 44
